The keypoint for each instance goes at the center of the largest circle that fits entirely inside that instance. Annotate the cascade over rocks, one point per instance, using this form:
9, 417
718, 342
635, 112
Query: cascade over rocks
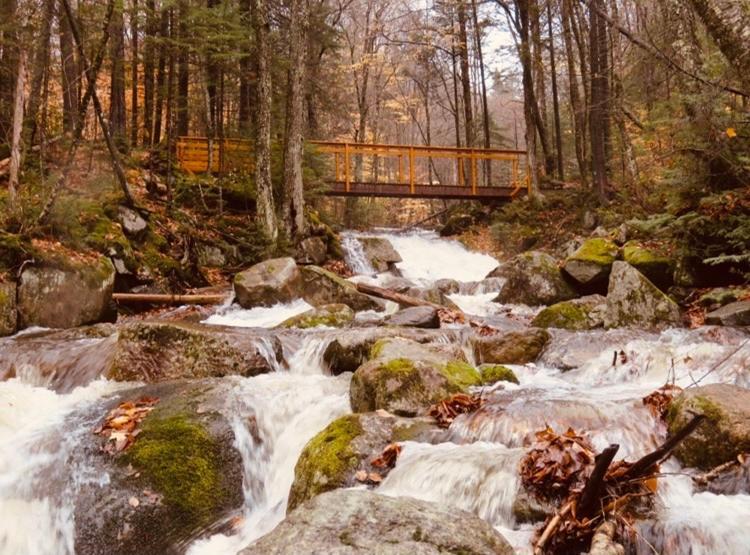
179, 477
330, 315
8, 311
633, 301
724, 434
380, 253
532, 278
55, 294
355, 522
590, 265
516, 347
579, 314
347, 445
270, 282
415, 317
406, 378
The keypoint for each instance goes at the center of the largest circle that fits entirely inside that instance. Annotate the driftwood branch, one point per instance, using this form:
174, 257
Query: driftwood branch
593, 489
400, 298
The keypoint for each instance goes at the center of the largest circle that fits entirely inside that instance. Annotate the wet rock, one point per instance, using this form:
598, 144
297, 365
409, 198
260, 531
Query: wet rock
457, 223
330, 315
66, 294
733, 314
180, 477
730, 479
380, 253
724, 434
527, 508
415, 317
361, 522
488, 285
312, 250
211, 256
321, 287
516, 347
154, 352
590, 265
273, 281
448, 286
532, 278
396, 283
579, 314
432, 294
651, 262
131, 221
568, 351
603, 542
346, 446
405, 377
8, 312
493, 373
633, 301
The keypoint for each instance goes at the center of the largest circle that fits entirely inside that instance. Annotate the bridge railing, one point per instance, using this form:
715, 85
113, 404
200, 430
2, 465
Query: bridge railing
225, 154
473, 168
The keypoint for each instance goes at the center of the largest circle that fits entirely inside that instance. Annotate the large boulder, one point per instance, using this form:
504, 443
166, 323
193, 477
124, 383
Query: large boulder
66, 294
432, 295
633, 301
270, 282
724, 434
180, 476
154, 352
516, 347
379, 253
321, 287
8, 312
733, 314
351, 522
415, 317
312, 250
329, 315
332, 458
405, 377
579, 314
532, 278
591, 264
651, 261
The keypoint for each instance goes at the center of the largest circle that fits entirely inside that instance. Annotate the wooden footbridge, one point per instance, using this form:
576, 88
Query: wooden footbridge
384, 170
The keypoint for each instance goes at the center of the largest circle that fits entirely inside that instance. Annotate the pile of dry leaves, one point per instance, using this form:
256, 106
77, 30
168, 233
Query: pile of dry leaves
385, 462
339, 267
446, 411
120, 427
658, 401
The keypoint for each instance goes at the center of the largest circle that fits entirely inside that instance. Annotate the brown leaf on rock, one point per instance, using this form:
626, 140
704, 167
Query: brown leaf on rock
120, 427
448, 409
387, 458
658, 401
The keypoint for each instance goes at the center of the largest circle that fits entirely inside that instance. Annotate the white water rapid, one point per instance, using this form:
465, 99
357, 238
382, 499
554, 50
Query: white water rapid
273, 416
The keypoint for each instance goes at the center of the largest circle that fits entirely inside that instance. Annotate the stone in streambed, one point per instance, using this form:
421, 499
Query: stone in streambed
518, 347
182, 470
590, 265
532, 278
579, 314
329, 315
61, 293
724, 434
347, 445
380, 253
415, 317
633, 301
493, 373
406, 378
733, 314
321, 287
8, 311
362, 522
312, 250
651, 262
267, 283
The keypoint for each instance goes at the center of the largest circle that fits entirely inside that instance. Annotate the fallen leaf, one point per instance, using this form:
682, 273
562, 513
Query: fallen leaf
361, 476
133, 502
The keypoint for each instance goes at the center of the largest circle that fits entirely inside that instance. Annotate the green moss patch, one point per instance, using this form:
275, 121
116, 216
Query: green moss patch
461, 375
493, 373
326, 460
598, 251
179, 459
565, 315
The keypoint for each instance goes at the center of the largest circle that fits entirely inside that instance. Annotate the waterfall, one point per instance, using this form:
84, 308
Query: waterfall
354, 255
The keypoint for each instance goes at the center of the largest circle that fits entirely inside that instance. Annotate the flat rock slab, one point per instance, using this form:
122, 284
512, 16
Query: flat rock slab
733, 314
415, 317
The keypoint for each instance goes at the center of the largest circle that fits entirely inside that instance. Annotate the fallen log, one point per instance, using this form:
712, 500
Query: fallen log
159, 298
593, 490
400, 298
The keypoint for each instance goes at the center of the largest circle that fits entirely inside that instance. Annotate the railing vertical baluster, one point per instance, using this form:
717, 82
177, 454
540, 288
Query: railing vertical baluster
411, 169
336, 166
473, 172
460, 169
346, 167
401, 168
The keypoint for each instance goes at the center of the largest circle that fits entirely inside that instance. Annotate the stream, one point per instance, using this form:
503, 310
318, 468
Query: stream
573, 384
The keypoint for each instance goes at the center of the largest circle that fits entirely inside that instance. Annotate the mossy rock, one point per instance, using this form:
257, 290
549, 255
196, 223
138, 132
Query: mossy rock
331, 459
8, 312
652, 262
406, 378
591, 264
330, 315
518, 347
379, 252
182, 469
493, 373
579, 314
716, 298
724, 434
533, 278
321, 287
155, 351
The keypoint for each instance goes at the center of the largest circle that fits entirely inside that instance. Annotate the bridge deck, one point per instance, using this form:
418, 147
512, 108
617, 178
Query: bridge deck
404, 190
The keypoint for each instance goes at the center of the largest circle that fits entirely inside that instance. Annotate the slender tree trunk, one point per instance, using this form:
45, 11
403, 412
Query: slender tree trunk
293, 206
579, 118
69, 75
540, 88
598, 119
40, 68
15, 149
134, 75
463, 51
243, 117
117, 116
530, 111
9, 54
555, 97
485, 109
264, 187
183, 73
161, 77
149, 50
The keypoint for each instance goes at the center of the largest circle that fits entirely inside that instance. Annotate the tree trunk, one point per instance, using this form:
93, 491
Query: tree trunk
183, 73
294, 204
117, 117
463, 51
540, 88
243, 117
69, 75
161, 77
149, 49
134, 75
579, 118
9, 54
265, 204
555, 97
530, 111
15, 149
485, 109
40, 70
598, 117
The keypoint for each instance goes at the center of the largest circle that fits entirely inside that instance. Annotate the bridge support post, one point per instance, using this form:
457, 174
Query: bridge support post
411, 169
473, 173
346, 168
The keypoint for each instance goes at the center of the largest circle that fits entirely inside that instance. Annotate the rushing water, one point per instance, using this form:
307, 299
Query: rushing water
576, 383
